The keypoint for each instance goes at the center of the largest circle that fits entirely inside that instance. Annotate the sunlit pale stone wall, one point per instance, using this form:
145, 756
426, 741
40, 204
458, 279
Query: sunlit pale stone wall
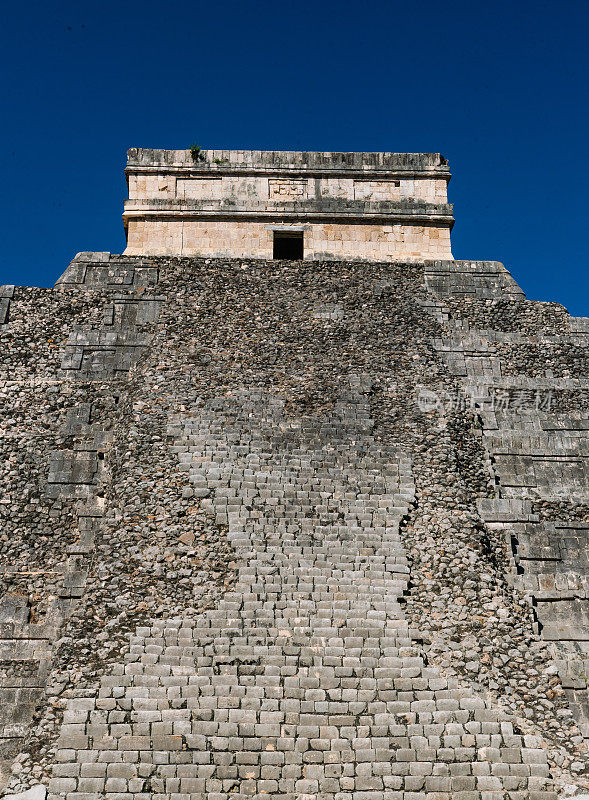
394, 242
383, 206
431, 190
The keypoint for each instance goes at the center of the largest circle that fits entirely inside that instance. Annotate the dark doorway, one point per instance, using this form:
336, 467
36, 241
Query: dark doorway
288, 245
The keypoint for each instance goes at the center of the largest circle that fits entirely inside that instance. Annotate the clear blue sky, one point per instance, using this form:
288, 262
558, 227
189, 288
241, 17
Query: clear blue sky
500, 88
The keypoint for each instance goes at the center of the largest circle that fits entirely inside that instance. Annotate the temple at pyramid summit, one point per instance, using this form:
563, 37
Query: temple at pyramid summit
268, 204
294, 505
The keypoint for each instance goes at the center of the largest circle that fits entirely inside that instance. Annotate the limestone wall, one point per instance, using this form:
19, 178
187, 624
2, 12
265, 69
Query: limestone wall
66, 357
384, 206
523, 369
255, 239
286, 188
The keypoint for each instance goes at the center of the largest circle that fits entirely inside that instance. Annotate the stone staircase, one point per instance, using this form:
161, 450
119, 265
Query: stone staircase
305, 682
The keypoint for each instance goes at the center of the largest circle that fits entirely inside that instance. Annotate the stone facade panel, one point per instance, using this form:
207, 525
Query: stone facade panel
396, 242
357, 205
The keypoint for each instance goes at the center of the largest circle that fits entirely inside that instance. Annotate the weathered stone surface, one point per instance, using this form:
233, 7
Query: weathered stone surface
305, 529
370, 206
38, 792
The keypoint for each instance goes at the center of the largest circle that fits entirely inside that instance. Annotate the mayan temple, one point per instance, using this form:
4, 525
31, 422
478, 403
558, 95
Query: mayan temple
294, 505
